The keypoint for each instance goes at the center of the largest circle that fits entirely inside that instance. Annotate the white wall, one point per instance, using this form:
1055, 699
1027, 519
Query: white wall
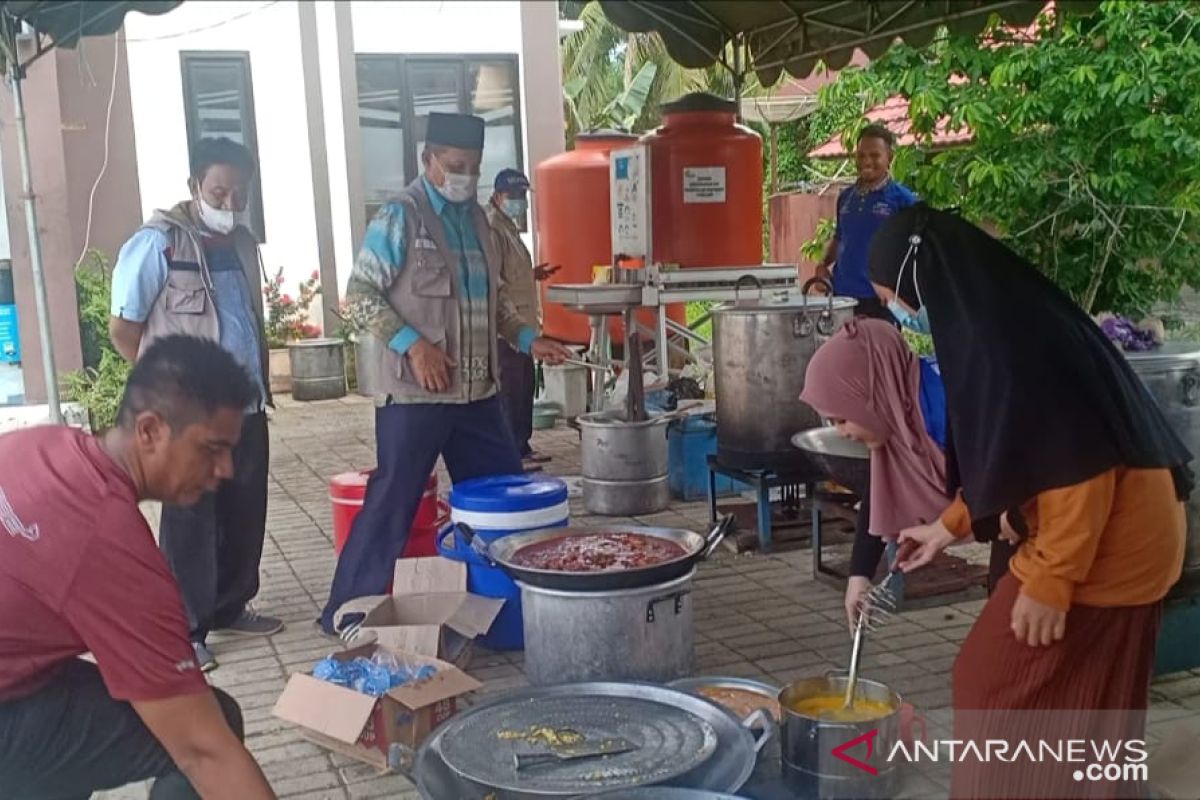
432, 26
271, 35
541, 92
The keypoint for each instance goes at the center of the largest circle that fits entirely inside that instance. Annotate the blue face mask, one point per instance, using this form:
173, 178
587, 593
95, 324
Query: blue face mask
514, 207
918, 323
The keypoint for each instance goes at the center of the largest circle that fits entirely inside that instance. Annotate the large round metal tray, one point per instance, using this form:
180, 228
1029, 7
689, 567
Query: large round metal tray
728, 767
663, 793
670, 741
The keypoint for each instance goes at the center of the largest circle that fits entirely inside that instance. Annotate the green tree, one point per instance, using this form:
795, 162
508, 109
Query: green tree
603, 64
1086, 142
100, 385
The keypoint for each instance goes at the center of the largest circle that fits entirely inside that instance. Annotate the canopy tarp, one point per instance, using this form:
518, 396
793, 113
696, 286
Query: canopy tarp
51, 23
62, 23
795, 35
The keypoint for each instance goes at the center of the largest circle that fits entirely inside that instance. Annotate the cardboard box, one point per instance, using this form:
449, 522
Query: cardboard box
363, 727
429, 613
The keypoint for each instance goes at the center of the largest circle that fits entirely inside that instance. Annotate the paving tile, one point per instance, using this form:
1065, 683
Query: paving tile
755, 615
288, 752
312, 784
391, 786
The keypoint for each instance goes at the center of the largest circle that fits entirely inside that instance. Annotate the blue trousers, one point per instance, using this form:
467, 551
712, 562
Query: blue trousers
475, 441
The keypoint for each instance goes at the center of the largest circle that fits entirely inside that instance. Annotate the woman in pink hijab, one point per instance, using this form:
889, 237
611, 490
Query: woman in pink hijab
875, 390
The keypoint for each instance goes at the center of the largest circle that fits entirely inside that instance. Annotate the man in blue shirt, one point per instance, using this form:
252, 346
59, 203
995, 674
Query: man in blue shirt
194, 269
861, 211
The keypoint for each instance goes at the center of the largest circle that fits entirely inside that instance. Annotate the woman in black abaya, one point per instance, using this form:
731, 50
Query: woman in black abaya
1048, 424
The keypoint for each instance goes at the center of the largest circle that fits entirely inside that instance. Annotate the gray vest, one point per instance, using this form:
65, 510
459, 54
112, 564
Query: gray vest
425, 294
186, 304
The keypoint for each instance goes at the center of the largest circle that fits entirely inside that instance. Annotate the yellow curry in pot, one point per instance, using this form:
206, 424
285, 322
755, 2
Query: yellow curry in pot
828, 708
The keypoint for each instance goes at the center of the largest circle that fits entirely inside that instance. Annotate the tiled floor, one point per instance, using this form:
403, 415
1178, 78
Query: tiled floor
756, 616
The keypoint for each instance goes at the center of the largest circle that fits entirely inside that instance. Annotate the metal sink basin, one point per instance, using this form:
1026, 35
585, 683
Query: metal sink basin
596, 298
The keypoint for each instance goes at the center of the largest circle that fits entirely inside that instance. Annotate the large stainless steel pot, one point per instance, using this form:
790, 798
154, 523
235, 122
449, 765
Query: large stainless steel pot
810, 767
642, 634
761, 351
624, 464
1172, 374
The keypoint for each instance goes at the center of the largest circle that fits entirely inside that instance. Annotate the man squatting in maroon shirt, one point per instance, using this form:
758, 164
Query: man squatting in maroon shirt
80, 572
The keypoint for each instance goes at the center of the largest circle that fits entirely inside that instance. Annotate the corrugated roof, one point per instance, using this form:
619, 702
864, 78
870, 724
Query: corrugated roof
893, 115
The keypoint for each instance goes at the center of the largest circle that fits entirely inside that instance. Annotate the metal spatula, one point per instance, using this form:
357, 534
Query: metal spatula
597, 748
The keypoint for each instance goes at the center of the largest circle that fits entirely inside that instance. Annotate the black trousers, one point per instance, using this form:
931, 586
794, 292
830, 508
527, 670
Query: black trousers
474, 441
71, 738
516, 390
214, 546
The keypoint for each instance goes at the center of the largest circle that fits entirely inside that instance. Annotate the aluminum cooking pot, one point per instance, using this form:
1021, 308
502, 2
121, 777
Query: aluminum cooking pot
808, 742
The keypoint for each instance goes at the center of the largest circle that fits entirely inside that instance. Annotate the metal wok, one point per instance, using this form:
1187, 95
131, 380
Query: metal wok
844, 461
696, 548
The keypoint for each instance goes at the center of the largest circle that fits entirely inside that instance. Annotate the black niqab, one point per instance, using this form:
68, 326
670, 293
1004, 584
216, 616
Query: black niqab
1036, 395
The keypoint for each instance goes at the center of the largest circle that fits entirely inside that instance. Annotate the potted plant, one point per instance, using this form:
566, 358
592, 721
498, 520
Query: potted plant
361, 345
287, 321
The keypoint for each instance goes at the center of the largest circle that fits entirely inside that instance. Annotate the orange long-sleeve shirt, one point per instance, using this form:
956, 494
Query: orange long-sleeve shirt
1114, 540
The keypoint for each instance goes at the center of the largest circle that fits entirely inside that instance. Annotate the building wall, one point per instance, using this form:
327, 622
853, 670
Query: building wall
435, 26
67, 96
271, 35
794, 218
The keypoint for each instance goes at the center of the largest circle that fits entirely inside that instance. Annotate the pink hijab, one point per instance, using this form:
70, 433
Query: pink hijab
867, 375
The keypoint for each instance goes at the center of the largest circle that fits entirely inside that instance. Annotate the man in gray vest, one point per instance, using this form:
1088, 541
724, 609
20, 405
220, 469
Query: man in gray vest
428, 275
194, 269
509, 203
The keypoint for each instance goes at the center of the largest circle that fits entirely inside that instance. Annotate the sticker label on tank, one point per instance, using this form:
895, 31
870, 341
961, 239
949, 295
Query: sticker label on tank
704, 184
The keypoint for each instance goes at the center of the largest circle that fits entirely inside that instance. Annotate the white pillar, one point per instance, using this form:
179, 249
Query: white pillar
347, 71
310, 59
541, 88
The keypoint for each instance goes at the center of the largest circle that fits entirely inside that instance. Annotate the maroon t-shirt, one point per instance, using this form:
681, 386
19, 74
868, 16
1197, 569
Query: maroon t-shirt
80, 572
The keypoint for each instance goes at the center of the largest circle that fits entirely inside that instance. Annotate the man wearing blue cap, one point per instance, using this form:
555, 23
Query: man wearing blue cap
509, 203
428, 277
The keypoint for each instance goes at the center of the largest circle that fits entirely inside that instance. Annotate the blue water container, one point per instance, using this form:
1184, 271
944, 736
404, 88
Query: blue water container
690, 441
496, 507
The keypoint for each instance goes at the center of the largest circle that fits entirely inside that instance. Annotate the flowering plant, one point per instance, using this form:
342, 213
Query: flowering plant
287, 316
353, 316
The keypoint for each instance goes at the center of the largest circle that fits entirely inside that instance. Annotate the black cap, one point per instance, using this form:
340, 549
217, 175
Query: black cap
455, 130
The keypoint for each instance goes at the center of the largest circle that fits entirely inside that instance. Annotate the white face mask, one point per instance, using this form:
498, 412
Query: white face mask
457, 187
218, 220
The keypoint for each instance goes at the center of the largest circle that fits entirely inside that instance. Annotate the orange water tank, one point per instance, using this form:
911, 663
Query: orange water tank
571, 197
707, 183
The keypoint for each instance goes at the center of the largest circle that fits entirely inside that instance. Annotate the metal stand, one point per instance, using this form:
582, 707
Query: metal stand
657, 288
763, 481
